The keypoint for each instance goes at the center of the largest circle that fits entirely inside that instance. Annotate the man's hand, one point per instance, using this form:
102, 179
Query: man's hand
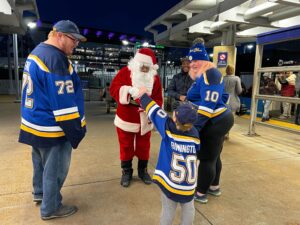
182, 98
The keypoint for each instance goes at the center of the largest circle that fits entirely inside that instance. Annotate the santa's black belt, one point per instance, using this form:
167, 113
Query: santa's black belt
134, 103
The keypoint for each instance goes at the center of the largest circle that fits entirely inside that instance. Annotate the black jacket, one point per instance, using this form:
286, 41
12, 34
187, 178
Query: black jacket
179, 85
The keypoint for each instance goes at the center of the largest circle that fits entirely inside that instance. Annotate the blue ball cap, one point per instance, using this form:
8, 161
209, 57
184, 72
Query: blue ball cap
198, 52
68, 27
186, 113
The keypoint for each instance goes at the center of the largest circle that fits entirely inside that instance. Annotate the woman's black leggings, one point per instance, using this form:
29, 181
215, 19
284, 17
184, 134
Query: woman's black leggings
212, 138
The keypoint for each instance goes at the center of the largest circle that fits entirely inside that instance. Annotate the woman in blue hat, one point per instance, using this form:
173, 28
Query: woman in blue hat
214, 119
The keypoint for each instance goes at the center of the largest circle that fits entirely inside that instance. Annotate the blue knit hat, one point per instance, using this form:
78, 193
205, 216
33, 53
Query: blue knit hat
198, 52
186, 113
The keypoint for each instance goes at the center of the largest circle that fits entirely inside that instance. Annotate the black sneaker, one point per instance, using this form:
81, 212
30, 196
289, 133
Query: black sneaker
63, 211
216, 192
144, 175
202, 199
264, 119
37, 199
126, 177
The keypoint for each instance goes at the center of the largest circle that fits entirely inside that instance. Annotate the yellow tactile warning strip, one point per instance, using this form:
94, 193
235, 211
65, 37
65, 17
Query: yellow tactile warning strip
277, 123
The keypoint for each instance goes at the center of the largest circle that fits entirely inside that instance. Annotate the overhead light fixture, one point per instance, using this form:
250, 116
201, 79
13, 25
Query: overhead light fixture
125, 42
250, 46
5, 7
145, 44
31, 25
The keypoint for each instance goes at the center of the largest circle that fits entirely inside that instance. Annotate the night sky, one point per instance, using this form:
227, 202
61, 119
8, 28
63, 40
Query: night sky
120, 16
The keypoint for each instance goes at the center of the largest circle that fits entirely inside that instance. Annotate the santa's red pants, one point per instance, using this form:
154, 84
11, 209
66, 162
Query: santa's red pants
133, 144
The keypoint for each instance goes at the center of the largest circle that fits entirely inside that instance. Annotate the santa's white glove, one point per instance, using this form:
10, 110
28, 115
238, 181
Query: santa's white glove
134, 92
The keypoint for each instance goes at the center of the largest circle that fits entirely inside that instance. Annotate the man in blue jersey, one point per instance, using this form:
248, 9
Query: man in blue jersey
53, 119
176, 169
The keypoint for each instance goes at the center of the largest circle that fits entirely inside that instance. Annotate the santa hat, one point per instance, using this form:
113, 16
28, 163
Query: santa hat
147, 56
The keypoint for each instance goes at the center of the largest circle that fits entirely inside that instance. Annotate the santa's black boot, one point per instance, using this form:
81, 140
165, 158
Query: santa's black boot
143, 173
126, 173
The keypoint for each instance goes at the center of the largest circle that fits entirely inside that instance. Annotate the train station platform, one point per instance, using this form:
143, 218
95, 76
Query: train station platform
260, 180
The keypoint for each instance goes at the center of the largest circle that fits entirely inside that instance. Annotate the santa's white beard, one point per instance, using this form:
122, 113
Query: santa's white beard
140, 79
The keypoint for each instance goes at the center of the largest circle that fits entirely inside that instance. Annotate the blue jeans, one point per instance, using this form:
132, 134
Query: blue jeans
50, 169
267, 104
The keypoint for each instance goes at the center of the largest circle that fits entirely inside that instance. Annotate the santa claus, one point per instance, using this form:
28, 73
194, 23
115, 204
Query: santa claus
132, 124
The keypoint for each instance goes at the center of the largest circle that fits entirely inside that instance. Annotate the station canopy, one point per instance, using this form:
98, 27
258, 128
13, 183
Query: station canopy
15, 15
214, 19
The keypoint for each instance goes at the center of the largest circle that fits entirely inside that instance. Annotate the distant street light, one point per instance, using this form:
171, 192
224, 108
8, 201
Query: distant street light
250, 46
125, 42
31, 25
145, 44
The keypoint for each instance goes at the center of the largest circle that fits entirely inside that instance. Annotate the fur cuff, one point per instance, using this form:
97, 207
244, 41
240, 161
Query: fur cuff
124, 96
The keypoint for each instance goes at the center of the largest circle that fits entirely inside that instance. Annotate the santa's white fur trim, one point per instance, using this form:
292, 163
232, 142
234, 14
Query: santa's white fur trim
146, 125
142, 58
155, 67
126, 126
124, 96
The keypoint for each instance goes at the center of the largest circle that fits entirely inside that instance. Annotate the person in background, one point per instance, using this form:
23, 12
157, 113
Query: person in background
287, 81
108, 99
268, 87
233, 87
180, 83
53, 120
214, 119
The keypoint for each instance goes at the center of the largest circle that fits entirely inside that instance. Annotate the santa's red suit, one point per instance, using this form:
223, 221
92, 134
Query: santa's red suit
133, 126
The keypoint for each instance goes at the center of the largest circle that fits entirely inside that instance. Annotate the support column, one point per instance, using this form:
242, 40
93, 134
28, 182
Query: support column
16, 66
11, 85
255, 89
226, 53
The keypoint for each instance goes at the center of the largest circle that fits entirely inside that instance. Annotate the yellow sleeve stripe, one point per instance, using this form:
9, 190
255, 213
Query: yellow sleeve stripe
83, 123
149, 106
196, 140
175, 191
70, 69
205, 79
39, 62
67, 117
42, 134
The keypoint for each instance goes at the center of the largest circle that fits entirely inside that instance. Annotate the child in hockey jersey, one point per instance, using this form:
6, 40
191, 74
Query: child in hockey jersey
176, 170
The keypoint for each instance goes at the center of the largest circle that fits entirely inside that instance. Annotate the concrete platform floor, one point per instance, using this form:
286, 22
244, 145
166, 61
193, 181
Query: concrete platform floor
260, 180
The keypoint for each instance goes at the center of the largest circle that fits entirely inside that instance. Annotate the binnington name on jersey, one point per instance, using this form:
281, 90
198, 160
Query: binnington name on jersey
188, 149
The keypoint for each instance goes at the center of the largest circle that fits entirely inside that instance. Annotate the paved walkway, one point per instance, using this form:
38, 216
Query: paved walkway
260, 180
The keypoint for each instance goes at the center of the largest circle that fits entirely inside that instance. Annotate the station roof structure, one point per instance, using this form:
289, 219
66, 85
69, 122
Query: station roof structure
210, 19
16, 14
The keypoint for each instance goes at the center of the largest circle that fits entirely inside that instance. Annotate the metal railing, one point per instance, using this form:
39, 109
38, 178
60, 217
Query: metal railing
258, 70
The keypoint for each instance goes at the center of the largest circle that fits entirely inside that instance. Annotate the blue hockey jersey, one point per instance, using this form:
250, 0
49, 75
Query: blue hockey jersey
208, 94
176, 170
52, 106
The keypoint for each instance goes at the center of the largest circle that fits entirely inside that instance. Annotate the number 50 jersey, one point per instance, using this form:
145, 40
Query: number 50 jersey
176, 170
52, 105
